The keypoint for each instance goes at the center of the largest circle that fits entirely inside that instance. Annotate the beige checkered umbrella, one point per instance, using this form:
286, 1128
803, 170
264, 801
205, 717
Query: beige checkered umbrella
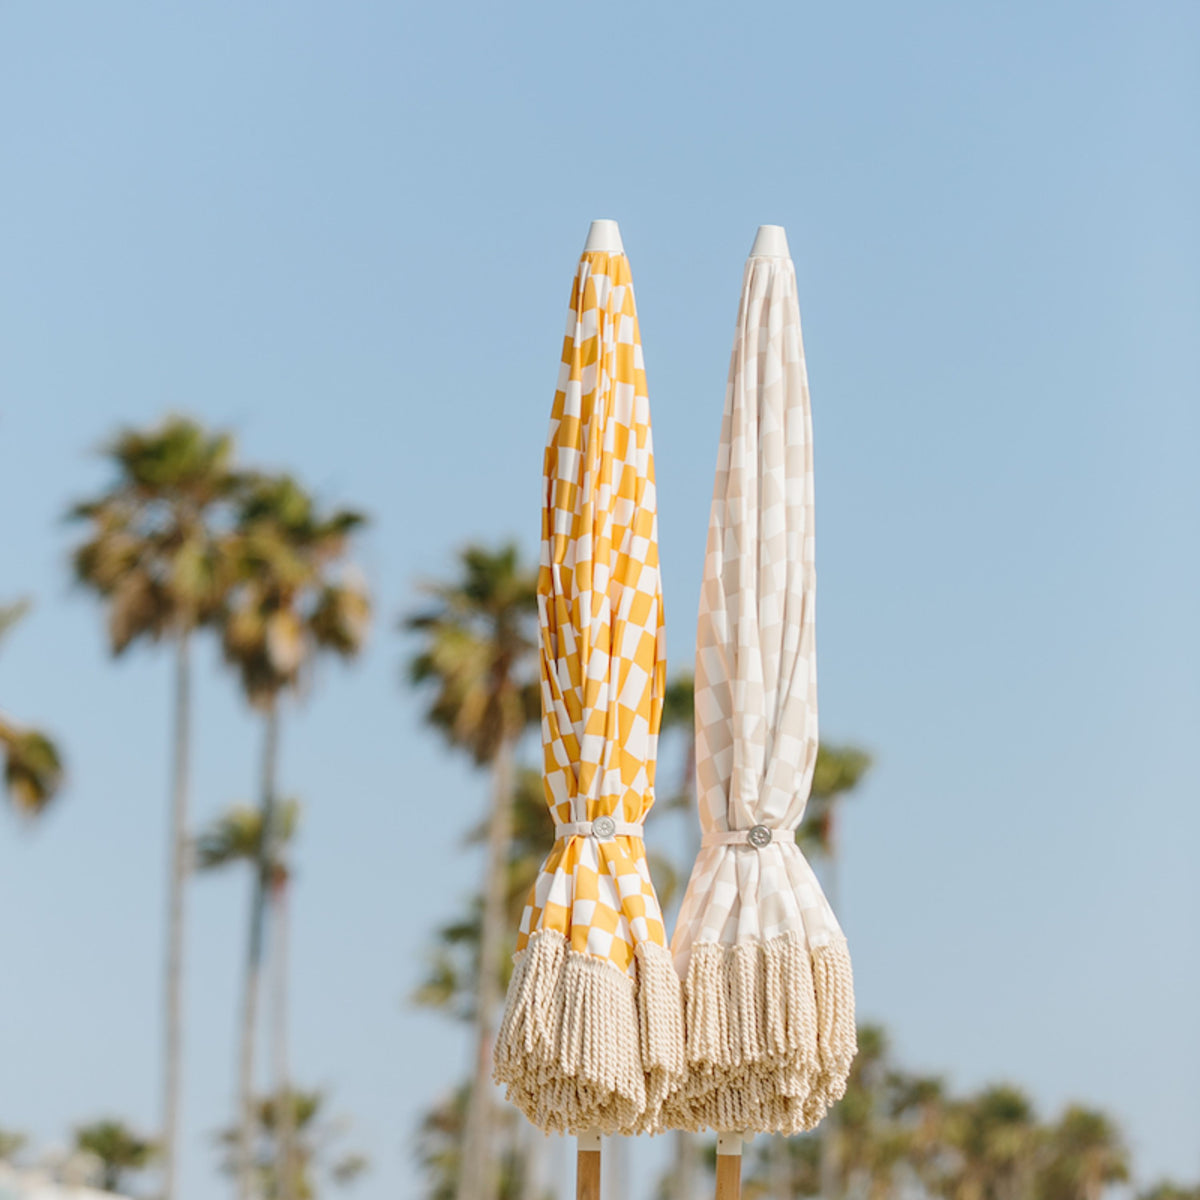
768, 988
592, 1035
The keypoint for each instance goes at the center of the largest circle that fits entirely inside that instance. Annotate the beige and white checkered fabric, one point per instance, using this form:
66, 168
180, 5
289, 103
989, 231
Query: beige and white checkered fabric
756, 673
603, 663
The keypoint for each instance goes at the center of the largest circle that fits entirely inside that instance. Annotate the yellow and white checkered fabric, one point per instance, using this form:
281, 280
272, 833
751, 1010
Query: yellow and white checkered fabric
603, 654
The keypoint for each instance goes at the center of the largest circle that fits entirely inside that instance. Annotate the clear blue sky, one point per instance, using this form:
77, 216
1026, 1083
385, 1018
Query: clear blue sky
348, 232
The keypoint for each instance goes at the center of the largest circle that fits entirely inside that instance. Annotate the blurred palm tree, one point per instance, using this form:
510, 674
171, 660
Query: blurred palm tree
155, 552
1166, 1190
478, 667
439, 1150
315, 1135
918, 1105
994, 1141
679, 717
293, 597
838, 771
33, 770
237, 837
11, 1144
1085, 1154
859, 1133
451, 983
902, 1134
119, 1150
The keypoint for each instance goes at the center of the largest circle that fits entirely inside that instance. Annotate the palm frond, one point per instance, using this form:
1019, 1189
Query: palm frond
156, 549
33, 767
11, 615
477, 660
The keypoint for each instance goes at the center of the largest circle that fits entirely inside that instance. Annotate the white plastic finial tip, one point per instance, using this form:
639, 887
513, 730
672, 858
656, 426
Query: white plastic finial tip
770, 242
606, 236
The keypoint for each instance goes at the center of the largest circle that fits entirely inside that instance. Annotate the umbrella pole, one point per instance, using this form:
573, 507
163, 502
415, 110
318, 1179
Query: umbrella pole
729, 1166
587, 1166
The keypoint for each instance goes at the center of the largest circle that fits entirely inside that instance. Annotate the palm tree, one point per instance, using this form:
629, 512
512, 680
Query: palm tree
293, 598
1085, 1154
11, 1144
439, 1150
451, 984
1166, 1190
902, 1134
857, 1135
32, 767
838, 771
477, 665
303, 1112
994, 1139
119, 1149
33, 770
154, 553
918, 1105
237, 837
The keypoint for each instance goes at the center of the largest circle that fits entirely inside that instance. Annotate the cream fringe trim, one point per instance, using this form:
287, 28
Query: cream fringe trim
770, 1036
583, 1046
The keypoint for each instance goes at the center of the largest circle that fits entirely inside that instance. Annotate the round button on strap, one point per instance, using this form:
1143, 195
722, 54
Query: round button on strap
757, 836
603, 827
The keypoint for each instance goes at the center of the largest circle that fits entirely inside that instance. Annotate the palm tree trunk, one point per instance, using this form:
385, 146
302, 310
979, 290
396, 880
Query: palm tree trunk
279, 1053
178, 859
254, 960
477, 1179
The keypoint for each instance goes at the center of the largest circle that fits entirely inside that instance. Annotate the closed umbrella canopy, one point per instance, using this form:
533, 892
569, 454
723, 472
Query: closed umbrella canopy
592, 1036
768, 988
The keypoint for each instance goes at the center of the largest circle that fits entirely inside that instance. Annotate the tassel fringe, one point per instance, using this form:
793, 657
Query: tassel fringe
770, 1036
582, 1046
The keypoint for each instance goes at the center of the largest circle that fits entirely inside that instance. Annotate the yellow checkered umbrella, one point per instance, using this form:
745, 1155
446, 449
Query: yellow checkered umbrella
592, 1034
770, 1002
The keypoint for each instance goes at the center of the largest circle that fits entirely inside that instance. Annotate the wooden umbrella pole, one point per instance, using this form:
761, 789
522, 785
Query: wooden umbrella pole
729, 1166
587, 1166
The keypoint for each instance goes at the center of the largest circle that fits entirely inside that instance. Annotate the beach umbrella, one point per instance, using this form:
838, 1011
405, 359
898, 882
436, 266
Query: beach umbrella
591, 1039
767, 982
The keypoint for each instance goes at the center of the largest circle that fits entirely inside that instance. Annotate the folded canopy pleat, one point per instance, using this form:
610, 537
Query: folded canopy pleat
592, 1033
767, 978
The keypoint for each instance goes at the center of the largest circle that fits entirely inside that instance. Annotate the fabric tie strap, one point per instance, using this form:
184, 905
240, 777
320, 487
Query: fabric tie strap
758, 837
601, 827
